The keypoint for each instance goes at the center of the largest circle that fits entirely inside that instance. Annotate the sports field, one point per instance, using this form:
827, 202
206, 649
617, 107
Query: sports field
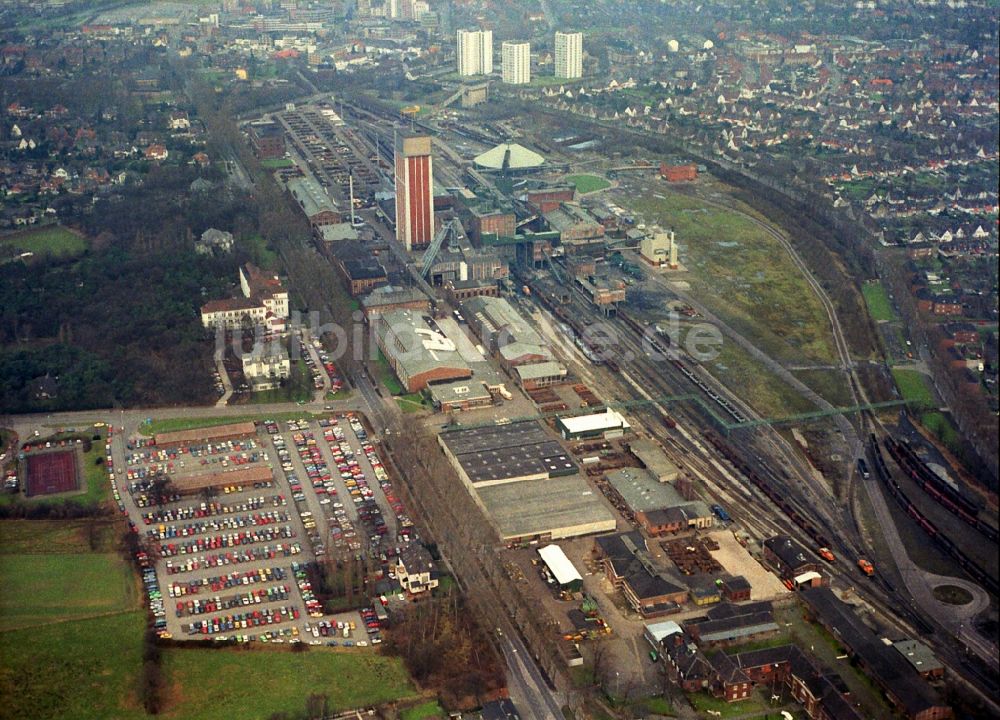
52, 472
587, 183
50, 240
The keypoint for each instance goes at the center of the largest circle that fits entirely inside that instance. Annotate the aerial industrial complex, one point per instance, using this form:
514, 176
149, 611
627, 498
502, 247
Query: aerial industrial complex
538, 354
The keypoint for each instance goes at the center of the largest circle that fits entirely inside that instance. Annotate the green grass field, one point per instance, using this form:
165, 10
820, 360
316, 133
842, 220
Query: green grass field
587, 183
877, 299
49, 240
766, 393
87, 669
83, 662
412, 402
942, 428
744, 275
297, 388
913, 386
48, 588
59, 536
276, 163
703, 702
423, 711
386, 376
224, 684
172, 424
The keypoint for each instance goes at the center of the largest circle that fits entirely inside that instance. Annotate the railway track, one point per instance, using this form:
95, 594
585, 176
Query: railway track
725, 475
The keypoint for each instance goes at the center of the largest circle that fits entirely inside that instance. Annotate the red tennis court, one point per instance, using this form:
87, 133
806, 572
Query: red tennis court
52, 472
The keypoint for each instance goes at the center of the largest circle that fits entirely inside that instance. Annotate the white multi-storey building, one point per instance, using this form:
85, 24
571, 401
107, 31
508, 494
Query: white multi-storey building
569, 55
515, 62
474, 52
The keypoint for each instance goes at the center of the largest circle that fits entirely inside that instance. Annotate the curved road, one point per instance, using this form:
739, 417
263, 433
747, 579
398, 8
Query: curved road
919, 583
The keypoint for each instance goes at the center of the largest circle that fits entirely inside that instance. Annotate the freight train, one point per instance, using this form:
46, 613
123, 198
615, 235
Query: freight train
975, 571
943, 493
804, 523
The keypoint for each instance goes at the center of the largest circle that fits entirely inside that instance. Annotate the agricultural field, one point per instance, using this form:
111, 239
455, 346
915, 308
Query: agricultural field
50, 240
741, 273
228, 683
64, 670
587, 183
48, 588
62, 606
877, 300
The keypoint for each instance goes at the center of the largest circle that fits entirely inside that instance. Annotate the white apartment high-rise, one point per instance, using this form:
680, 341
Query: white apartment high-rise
569, 55
474, 52
515, 62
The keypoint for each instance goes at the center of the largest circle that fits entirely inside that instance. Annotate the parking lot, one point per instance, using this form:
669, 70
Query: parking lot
229, 539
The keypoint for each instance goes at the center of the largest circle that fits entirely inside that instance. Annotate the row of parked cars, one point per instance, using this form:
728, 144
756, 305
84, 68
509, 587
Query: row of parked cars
199, 606
148, 452
313, 606
154, 597
225, 582
244, 621
164, 531
327, 367
266, 552
356, 482
215, 542
404, 523
211, 509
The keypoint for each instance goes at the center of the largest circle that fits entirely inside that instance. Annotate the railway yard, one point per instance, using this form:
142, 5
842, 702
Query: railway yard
663, 489
731, 455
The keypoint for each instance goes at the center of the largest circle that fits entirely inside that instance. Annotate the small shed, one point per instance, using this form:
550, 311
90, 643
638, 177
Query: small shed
563, 571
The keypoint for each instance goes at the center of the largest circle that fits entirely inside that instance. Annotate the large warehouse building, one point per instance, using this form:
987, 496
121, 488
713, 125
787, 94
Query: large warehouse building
499, 454
542, 510
418, 352
526, 482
